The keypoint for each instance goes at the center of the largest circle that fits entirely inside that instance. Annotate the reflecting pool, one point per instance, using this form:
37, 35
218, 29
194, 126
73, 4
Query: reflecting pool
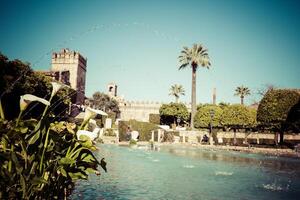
178, 172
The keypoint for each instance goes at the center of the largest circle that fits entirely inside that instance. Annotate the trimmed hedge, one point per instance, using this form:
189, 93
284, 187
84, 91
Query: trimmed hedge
238, 116
154, 118
203, 118
170, 112
276, 106
144, 129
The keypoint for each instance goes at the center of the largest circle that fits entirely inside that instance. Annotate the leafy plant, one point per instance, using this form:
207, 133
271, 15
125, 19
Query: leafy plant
40, 159
132, 142
154, 118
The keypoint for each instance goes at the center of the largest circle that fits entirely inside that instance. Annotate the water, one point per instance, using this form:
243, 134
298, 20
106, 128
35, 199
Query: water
175, 172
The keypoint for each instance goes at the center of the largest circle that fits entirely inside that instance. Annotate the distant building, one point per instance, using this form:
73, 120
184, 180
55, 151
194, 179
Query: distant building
69, 67
138, 110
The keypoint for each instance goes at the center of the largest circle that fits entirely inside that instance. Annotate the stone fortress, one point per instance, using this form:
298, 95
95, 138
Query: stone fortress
69, 67
138, 110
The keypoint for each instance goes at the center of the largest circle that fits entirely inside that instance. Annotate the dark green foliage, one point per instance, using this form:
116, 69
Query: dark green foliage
41, 159
112, 116
276, 106
154, 118
292, 122
144, 129
29, 82
203, 118
238, 116
170, 112
103, 102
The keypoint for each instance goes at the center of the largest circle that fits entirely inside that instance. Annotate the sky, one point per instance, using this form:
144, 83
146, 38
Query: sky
136, 43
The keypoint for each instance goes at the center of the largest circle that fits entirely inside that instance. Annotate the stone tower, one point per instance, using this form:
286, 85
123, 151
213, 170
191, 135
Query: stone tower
214, 96
75, 64
112, 89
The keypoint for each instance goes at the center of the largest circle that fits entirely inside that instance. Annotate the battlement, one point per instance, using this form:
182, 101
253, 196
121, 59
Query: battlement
146, 104
67, 56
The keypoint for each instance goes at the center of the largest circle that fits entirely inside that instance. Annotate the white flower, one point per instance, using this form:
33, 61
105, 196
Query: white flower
91, 135
90, 113
26, 99
55, 87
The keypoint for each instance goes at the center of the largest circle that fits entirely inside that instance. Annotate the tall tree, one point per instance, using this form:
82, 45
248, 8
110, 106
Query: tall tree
242, 92
104, 102
195, 57
176, 91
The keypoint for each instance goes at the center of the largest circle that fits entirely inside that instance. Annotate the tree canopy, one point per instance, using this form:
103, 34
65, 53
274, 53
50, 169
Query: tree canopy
242, 91
176, 91
238, 116
203, 116
276, 106
170, 112
104, 102
17, 78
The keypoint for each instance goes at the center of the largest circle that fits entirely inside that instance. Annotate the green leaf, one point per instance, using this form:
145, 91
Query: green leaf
63, 172
35, 137
88, 158
23, 185
66, 161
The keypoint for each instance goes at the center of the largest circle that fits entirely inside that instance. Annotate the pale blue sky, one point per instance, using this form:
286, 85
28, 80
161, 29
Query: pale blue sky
136, 43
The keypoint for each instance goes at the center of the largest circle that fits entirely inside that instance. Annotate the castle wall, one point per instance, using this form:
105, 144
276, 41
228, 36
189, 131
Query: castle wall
138, 110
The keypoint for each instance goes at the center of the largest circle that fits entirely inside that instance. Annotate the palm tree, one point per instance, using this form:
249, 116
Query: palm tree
242, 92
176, 91
195, 57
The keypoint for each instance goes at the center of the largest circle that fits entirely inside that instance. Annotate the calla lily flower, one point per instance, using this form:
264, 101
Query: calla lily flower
55, 87
90, 113
91, 135
26, 99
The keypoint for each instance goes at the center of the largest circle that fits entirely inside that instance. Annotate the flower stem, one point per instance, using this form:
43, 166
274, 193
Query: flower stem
44, 149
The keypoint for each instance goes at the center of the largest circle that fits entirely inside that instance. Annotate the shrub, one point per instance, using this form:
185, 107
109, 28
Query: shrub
238, 116
144, 129
276, 105
154, 118
132, 142
203, 118
109, 132
112, 116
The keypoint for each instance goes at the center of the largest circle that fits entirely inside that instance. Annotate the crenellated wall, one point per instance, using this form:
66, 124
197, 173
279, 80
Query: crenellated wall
140, 110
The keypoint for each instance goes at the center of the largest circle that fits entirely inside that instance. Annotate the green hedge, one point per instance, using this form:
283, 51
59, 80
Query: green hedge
144, 129
277, 107
203, 118
238, 116
170, 112
154, 118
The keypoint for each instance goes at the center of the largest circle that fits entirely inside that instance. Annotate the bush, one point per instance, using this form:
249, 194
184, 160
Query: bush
203, 118
132, 142
154, 118
144, 129
276, 106
238, 116
109, 132
112, 116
